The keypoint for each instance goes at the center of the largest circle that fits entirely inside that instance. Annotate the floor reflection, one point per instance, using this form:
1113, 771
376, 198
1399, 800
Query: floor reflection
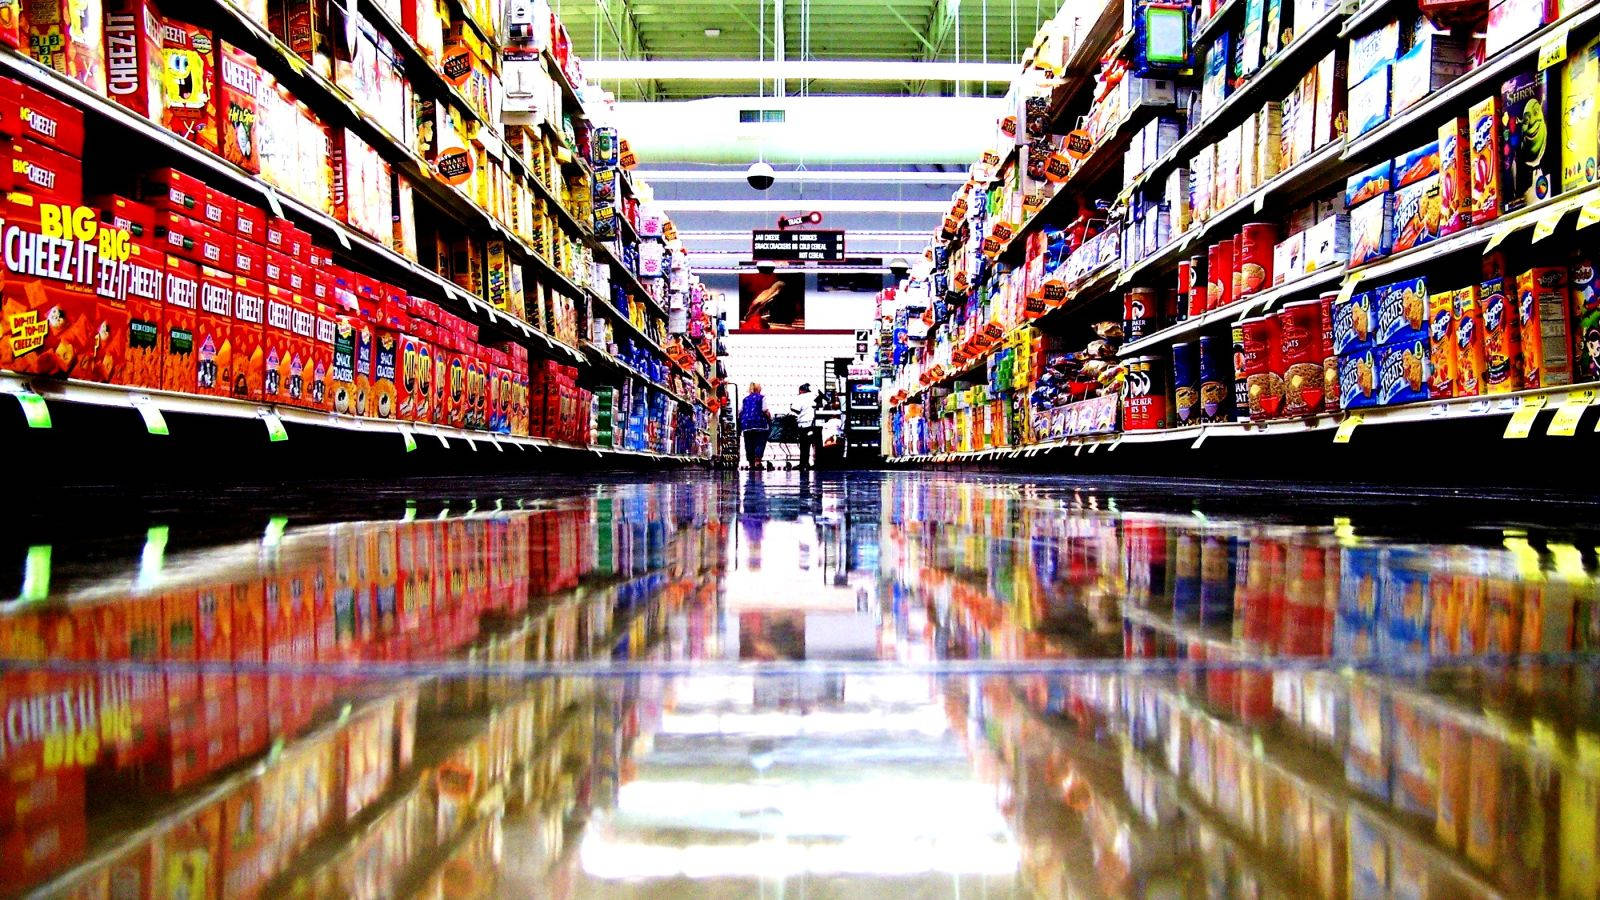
833, 686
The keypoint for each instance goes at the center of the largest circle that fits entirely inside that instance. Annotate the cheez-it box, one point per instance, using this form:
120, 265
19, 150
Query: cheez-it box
249, 222
239, 80
302, 341
189, 98
26, 112
179, 362
117, 211
133, 56
48, 174
249, 359
249, 260
179, 234
277, 339
66, 35
217, 210
169, 190
213, 333
49, 311
145, 273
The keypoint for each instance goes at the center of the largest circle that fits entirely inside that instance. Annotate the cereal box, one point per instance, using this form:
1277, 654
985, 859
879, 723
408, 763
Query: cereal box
1403, 372
277, 340
67, 36
1372, 50
238, 82
1369, 103
1434, 60
1580, 117
145, 272
1363, 186
1417, 213
302, 347
1412, 167
212, 333
1527, 157
1543, 322
1584, 287
189, 98
134, 57
1502, 339
1358, 380
1441, 344
1401, 311
1471, 358
1455, 176
179, 361
1484, 120
1353, 323
1372, 230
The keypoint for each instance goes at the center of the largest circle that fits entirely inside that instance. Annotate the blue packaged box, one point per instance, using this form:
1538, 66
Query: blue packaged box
1400, 312
1403, 372
1352, 324
1378, 47
1416, 165
1358, 380
1363, 186
1368, 103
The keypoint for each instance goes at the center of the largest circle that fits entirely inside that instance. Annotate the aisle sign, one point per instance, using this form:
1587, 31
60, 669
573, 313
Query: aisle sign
813, 245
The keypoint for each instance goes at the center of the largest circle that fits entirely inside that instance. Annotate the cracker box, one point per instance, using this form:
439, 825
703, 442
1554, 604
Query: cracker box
302, 349
1363, 186
1329, 109
1401, 312
1369, 103
1353, 323
50, 175
32, 114
1583, 285
189, 96
1528, 156
144, 278
497, 278
323, 357
134, 57
213, 332
279, 234
1403, 372
249, 260
50, 311
249, 222
415, 382
342, 373
117, 211
1358, 379
67, 35
1484, 120
1455, 176
1502, 339
385, 401
1471, 357
362, 403
455, 410
217, 210
276, 267
169, 190
477, 389
277, 340
1441, 345
1580, 117
1544, 325
179, 360
180, 235
1409, 168
216, 247
1372, 230
1416, 214
238, 82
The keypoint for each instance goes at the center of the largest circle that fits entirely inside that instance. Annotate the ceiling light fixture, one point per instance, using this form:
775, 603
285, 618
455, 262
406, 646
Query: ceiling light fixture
713, 32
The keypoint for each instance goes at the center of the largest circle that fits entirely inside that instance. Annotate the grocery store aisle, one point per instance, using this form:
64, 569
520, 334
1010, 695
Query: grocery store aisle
852, 685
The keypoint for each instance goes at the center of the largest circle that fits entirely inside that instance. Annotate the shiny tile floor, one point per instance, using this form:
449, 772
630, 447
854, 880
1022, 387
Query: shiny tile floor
854, 685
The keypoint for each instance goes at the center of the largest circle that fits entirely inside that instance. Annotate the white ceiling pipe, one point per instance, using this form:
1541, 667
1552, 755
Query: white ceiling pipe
817, 130
891, 207
806, 176
810, 70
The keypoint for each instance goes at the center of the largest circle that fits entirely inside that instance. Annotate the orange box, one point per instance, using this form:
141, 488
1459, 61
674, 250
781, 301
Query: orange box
145, 274
239, 80
1484, 120
249, 356
414, 394
179, 361
217, 210
249, 222
216, 248
189, 81
213, 332
302, 343
277, 339
477, 390
133, 56
67, 36
117, 211
110, 360
1545, 325
1442, 344
180, 234
1502, 339
322, 353
249, 260
48, 305
169, 190
276, 266
29, 113
455, 411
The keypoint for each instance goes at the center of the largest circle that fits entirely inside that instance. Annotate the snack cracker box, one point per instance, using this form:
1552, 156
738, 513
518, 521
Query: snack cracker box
1527, 149
477, 390
443, 352
249, 260
144, 277
342, 374
302, 350
50, 175
117, 211
189, 96
1502, 339
67, 35
385, 401
249, 222
50, 310
455, 410
1583, 279
217, 210
216, 248
1471, 357
169, 190
413, 392
134, 57
1580, 117
1416, 214
1544, 324
213, 333
1403, 372
179, 359
276, 267
1455, 176
1441, 344
277, 345
180, 235
1484, 121
26, 112
238, 82
324, 354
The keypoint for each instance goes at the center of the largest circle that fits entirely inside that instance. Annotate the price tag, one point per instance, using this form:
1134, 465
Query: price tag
1347, 428
1114, 445
1553, 50
443, 441
1589, 213
1200, 438
1478, 407
1351, 282
1093, 447
409, 438
271, 196
154, 422
34, 409
1546, 224
1499, 234
471, 444
1439, 409
1261, 201
496, 442
344, 239
1522, 420
1565, 422
275, 430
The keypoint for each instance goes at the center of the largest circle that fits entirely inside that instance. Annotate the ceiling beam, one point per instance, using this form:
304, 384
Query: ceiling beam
815, 70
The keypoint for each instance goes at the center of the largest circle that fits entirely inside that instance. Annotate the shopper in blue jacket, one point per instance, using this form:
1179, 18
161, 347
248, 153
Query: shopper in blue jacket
755, 421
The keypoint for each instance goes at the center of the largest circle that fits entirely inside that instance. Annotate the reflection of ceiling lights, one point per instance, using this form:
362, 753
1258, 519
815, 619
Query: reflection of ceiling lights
713, 32
608, 859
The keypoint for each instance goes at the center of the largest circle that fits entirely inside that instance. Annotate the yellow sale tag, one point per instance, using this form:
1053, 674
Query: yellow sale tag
34, 409
1521, 423
1553, 50
1589, 213
1546, 224
1499, 235
1347, 428
1565, 421
1351, 282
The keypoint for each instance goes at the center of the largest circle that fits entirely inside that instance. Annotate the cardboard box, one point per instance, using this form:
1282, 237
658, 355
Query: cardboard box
1580, 117
1528, 157
276, 267
1328, 242
189, 98
179, 359
1373, 50
1363, 186
413, 391
1455, 176
1403, 372
1544, 324
67, 35
1512, 20
1417, 214
26, 112
1329, 111
213, 334
216, 247
1471, 354
134, 56
49, 308
1400, 312
117, 211
49, 175
1484, 121
145, 274
249, 260
1372, 230
1416, 165
1369, 102
249, 222
239, 82
1443, 368
169, 190
323, 354
302, 345
217, 209
1433, 61
277, 340
1502, 338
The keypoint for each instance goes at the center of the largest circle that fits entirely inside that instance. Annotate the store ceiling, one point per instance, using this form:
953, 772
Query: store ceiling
900, 30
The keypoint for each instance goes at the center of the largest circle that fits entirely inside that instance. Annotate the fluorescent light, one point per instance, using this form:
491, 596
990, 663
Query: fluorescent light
811, 70
931, 207
713, 32
801, 176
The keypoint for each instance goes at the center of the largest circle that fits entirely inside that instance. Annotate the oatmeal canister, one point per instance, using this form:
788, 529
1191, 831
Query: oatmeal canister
1216, 380
1186, 383
1144, 405
1262, 363
1301, 355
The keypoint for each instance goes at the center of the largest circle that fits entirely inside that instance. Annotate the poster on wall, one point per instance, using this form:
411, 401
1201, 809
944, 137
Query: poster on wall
772, 302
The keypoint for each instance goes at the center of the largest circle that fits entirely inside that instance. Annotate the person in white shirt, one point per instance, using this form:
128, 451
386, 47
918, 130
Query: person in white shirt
805, 412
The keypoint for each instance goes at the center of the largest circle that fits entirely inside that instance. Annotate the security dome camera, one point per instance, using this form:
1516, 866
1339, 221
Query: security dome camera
760, 176
899, 268
766, 267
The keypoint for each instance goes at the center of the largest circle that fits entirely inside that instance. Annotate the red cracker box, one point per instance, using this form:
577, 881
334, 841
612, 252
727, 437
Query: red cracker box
29, 113
249, 222
321, 286
133, 56
48, 174
238, 82
277, 338
216, 248
169, 190
299, 244
275, 267
50, 311
144, 278
342, 373
279, 234
179, 360
299, 278
212, 333
189, 98
249, 260
138, 219
443, 343
322, 352
66, 35
302, 343
217, 209
180, 235
109, 362
386, 351
457, 364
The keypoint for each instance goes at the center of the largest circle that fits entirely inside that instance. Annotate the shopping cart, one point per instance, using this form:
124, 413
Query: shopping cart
784, 435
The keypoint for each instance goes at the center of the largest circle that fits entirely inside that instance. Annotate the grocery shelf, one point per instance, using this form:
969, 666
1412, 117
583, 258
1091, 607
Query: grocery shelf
1258, 304
619, 316
1365, 15
1205, 31
630, 279
618, 364
1080, 68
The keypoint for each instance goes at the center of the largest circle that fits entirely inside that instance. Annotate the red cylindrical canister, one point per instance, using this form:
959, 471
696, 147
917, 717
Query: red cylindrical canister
1262, 363
1256, 244
1330, 362
1139, 313
1197, 284
1302, 355
1144, 404
1186, 287
1238, 258
1219, 275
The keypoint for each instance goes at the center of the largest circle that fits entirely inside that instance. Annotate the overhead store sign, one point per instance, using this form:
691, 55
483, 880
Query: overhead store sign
812, 245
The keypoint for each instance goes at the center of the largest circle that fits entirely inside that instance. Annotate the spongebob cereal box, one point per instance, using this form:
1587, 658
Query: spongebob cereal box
1580, 118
